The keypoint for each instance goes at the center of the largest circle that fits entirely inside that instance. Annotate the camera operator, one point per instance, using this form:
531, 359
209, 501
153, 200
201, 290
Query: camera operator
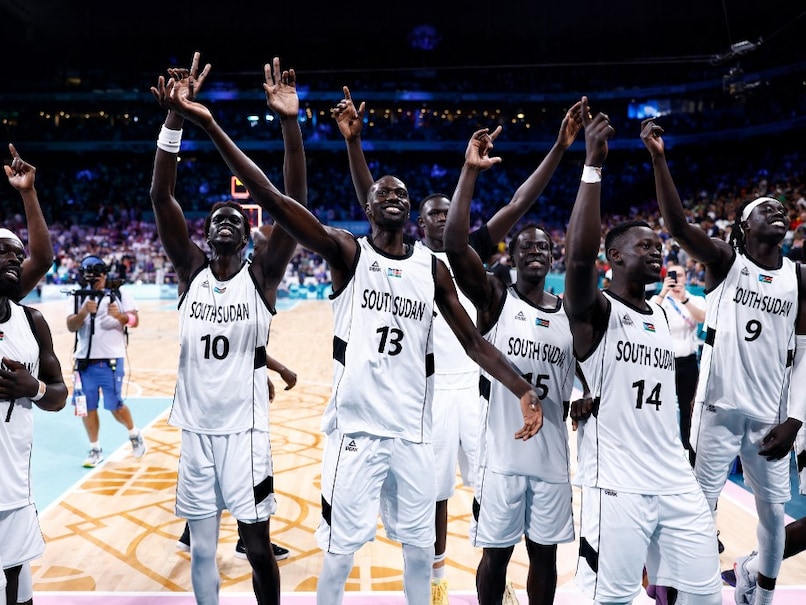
100, 317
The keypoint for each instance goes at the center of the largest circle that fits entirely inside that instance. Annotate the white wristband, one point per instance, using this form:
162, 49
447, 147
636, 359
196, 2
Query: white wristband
169, 140
592, 174
41, 392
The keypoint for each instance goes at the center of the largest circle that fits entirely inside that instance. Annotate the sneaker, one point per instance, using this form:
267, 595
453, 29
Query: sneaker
94, 458
138, 446
745, 581
510, 598
183, 543
729, 577
439, 592
280, 553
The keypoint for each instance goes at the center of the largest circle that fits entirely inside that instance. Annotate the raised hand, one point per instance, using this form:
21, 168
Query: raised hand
570, 126
21, 174
349, 120
281, 89
651, 136
597, 132
477, 154
186, 82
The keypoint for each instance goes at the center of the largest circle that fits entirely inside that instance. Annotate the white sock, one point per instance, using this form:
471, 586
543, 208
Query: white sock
134, 432
437, 573
763, 597
95, 445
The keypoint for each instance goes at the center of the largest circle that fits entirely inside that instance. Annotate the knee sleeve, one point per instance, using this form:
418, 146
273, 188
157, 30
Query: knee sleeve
203, 567
417, 562
330, 586
771, 535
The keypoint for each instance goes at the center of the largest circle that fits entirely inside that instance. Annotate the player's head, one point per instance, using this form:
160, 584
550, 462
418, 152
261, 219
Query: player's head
12, 253
92, 271
633, 250
763, 218
433, 211
227, 225
530, 250
388, 204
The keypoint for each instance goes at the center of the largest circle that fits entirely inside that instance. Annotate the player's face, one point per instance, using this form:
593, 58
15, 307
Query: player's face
532, 254
11, 256
389, 203
433, 216
227, 228
640, 251
767, 221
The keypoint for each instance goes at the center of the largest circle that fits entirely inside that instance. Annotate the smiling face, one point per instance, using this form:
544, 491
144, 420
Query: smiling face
767, 221
11, 256
388, 203
637, 255
227, 229
531, 253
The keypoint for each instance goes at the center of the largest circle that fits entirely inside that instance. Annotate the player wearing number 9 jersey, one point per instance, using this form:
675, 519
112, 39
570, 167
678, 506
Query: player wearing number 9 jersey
756, 322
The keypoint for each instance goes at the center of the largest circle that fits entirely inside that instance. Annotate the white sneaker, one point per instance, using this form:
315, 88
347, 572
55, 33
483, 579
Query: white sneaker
138, 446
510, 598
745, 590
94, 459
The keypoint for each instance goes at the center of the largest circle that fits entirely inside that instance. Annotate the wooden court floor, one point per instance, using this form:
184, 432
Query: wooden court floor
116, 530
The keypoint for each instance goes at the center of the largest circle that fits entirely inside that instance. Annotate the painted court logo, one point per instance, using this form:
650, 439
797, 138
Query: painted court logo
765, 279
351, 447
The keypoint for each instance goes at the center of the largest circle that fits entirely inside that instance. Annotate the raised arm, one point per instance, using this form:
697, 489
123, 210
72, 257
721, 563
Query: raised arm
21, 175
350, 122
172, 228
584, 232
715, 254
281, 97
337, 247
526, 195
485, 354
471, 276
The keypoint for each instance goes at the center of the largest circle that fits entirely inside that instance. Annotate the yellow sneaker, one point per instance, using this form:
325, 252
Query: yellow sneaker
510, 598
439, 592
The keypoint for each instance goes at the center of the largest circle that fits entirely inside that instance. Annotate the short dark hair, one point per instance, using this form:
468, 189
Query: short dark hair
429, 197
511, 246
619, 230
247, 224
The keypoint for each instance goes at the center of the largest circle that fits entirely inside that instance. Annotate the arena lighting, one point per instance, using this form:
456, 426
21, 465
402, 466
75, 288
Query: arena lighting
736, 50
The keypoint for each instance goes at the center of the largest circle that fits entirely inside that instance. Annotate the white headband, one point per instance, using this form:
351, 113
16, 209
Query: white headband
6, 234
752, 205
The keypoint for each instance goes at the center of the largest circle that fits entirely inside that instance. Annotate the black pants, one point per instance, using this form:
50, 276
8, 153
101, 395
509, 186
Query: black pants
687, 370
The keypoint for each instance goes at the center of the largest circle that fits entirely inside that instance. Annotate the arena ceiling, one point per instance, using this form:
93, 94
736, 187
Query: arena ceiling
45, 40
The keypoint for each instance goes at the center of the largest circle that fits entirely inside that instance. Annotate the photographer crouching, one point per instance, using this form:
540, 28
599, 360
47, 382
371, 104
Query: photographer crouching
101, 316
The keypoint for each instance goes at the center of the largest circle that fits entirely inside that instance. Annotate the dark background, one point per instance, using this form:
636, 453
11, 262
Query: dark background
52, 43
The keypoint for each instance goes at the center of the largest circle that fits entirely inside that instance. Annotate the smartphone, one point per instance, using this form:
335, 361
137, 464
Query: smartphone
673, 275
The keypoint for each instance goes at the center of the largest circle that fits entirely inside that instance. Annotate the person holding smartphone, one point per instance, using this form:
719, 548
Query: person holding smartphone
685, 311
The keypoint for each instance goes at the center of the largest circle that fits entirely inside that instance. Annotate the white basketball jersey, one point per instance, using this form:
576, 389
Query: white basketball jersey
750, 340
538, 343
17, 342
221, 385
631, 442
453, 368
383, 358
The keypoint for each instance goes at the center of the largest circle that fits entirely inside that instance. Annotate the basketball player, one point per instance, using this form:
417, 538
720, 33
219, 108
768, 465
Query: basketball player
226, 305
456, 376
30, 373
756, 310
378, 454
522, 488
22, 176
640, 501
